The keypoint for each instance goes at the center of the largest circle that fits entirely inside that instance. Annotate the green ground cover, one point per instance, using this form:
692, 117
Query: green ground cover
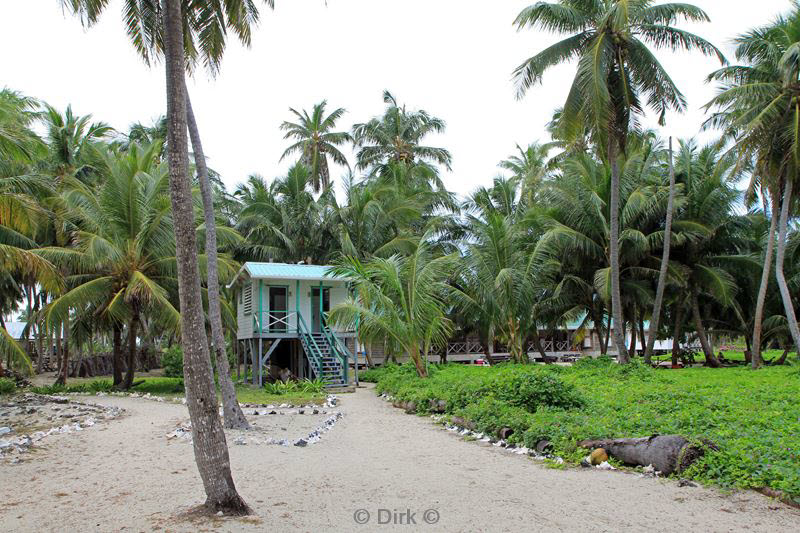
753, 416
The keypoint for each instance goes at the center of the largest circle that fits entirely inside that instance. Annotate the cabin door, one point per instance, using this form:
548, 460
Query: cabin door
316, 307
278, 309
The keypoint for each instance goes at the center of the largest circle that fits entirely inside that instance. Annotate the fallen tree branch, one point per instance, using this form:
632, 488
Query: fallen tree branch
667, 453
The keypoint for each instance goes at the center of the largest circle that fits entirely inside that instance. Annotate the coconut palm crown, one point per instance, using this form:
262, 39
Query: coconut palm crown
315, 141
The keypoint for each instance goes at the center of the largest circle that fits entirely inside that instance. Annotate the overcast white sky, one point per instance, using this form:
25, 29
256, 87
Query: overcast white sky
452, 58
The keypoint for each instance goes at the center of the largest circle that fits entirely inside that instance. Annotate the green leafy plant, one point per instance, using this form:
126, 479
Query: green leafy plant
172, 362
306, 386
7, 386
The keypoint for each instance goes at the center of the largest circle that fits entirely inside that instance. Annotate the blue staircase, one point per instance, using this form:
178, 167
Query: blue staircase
324, 351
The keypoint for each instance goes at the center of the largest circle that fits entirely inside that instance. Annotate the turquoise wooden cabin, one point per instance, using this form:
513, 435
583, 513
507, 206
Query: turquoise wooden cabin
282, 326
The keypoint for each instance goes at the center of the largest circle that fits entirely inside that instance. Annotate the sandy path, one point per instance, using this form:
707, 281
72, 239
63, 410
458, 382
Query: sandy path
126, 476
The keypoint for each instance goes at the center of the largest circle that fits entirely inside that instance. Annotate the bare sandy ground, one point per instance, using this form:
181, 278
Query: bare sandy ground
126, 476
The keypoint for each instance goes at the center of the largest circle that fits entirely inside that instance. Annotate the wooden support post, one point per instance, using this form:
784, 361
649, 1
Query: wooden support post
260, 377
266, 356
249, 361
253, 364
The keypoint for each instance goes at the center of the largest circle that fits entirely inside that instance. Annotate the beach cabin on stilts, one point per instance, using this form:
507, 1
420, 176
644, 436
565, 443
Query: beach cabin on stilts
282, 323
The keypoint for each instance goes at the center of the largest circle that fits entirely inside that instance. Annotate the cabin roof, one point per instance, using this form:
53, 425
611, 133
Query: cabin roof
16, 329
286, 271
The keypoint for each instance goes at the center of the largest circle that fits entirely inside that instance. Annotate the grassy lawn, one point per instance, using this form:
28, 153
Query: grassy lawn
752, 416
173, 387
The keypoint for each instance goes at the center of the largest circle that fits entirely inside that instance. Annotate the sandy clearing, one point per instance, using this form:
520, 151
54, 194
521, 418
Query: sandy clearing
125, 475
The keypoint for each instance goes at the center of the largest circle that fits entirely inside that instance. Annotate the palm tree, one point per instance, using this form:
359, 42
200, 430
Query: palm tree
23, 192
232, 413
617, 78
211, 452
366, 220
662, 273
531, 166
709, 241
576, 217
188, 32
72, 141
142, 134
396, 137
17, 140
123, 261
73, 158
402, 298
315, 141
757, 105
283, 221
504, 280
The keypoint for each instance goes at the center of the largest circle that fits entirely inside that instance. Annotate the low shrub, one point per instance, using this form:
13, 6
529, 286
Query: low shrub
373, 375
172, 362
159, 386
7, 386
490, 415
531, 390
526, 387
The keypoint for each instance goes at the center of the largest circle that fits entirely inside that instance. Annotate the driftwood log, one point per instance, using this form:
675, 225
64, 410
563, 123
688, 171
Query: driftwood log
667, 453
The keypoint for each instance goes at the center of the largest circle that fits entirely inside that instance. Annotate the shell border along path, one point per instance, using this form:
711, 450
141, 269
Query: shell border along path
243, 437
14, 448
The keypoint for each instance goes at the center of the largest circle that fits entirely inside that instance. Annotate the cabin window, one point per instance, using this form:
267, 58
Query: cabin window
248, 299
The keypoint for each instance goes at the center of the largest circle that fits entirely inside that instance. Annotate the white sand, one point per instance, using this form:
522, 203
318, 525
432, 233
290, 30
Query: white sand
125, 475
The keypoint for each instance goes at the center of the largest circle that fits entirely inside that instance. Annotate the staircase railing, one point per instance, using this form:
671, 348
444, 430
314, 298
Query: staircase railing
338, 348
310, 346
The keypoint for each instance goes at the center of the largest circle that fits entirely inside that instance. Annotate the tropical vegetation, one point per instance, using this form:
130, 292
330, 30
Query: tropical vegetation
596, 398
111, 241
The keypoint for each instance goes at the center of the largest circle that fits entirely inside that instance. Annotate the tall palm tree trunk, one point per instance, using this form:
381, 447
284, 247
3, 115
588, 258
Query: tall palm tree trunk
29, 326
537, 341
677, 332
415, 357
632, 351
708, 351
662, 273
131, 362
613, 247
49, 346
59, 352
39, 349
233, 416
116, 355
62, 341
39, 334
755, 354
210, 448
786, 296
